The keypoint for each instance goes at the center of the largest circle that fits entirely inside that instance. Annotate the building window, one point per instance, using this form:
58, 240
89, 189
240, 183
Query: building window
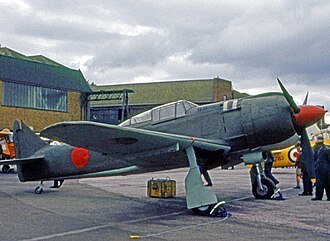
34, 97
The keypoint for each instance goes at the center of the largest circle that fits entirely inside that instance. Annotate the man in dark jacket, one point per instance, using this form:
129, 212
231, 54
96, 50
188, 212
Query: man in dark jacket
307, 183
322, 168
268, 167
204, 172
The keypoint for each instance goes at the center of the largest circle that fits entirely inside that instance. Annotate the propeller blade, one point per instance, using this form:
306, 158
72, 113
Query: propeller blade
307, 154
289, 98
306, 99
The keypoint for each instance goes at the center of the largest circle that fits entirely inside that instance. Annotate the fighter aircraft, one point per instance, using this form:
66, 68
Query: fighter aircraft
175, 135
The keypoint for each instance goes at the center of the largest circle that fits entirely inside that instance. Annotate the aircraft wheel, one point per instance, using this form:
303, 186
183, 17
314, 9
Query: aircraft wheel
38, 190
5, 168
203, 210
268, 189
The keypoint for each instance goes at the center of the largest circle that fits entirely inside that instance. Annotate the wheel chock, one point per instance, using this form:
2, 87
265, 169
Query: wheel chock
219, 211
277, 195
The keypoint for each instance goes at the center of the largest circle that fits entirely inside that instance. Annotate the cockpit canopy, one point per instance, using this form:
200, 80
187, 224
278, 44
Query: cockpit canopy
162, 113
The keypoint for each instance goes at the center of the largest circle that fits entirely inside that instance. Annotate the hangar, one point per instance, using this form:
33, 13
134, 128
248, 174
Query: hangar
144, 96
39, 91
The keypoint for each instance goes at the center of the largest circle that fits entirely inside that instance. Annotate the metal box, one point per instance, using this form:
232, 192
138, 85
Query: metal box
162, 188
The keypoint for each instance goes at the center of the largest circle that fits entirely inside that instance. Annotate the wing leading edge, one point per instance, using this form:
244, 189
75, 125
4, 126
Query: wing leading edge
116, 140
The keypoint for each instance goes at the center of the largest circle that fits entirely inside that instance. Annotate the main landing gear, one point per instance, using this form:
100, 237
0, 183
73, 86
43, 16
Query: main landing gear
201, 200
262, 186
40, 188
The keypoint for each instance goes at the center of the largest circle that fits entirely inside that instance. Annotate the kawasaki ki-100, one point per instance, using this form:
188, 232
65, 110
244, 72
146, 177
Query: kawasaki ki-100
174, 135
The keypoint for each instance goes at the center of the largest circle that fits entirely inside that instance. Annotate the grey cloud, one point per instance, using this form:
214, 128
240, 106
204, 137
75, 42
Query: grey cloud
246, 42
146, 49
282, 43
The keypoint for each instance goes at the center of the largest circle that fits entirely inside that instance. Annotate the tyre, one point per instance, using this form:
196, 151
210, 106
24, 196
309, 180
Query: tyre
203, 210
38, 190
268, 189
5, 168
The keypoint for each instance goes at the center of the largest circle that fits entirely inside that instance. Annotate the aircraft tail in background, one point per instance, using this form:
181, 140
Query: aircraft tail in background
26, 142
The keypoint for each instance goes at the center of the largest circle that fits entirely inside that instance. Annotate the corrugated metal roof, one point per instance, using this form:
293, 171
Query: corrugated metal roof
44, 60
11, 53
16, 67
35, 58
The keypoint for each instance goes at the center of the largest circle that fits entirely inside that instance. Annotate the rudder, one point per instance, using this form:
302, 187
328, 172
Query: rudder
26, 142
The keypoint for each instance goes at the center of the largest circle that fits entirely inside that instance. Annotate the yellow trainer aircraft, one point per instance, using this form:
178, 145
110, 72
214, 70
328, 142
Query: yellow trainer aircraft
287, 157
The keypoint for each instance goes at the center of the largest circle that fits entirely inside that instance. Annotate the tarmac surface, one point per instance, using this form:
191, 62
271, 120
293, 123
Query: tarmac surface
114, 208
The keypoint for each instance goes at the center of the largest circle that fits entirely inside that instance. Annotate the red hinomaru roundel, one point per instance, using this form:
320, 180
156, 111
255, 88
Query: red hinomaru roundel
79, 157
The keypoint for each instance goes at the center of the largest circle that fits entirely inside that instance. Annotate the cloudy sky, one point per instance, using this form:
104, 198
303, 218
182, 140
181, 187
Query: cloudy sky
250, 43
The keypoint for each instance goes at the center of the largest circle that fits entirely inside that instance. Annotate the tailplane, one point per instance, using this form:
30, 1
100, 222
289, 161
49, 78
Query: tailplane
26, 142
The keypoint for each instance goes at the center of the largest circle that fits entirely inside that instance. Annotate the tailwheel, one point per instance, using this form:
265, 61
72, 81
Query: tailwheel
267, 191
39, 189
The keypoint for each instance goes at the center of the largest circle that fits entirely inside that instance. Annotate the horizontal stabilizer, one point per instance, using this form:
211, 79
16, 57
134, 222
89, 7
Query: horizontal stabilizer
21, 161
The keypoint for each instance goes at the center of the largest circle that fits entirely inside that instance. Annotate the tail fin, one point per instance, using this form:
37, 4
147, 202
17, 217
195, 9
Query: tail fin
26, 142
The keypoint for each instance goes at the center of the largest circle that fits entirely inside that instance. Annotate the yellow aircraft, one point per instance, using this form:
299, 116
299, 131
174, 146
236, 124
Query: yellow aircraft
288, 156
6, 148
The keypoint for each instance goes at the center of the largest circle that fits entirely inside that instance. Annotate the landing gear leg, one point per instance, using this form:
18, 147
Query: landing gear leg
199, 198
259, 173
39, 189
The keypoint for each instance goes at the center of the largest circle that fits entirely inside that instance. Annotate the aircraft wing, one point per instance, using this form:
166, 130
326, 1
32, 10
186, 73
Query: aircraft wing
110, 139
277, 151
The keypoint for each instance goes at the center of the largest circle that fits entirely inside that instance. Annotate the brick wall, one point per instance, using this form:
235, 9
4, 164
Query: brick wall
157, 93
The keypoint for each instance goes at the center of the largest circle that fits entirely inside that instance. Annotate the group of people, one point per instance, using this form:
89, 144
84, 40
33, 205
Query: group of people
321, 154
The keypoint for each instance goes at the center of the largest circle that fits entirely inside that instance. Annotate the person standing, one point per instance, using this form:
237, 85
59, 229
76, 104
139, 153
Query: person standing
307, 183
322, 168
297, 165
268, 167
1, 152
204, 172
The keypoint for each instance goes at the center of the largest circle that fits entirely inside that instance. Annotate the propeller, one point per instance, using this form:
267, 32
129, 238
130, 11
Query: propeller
306, 99
304, 116
289, 98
